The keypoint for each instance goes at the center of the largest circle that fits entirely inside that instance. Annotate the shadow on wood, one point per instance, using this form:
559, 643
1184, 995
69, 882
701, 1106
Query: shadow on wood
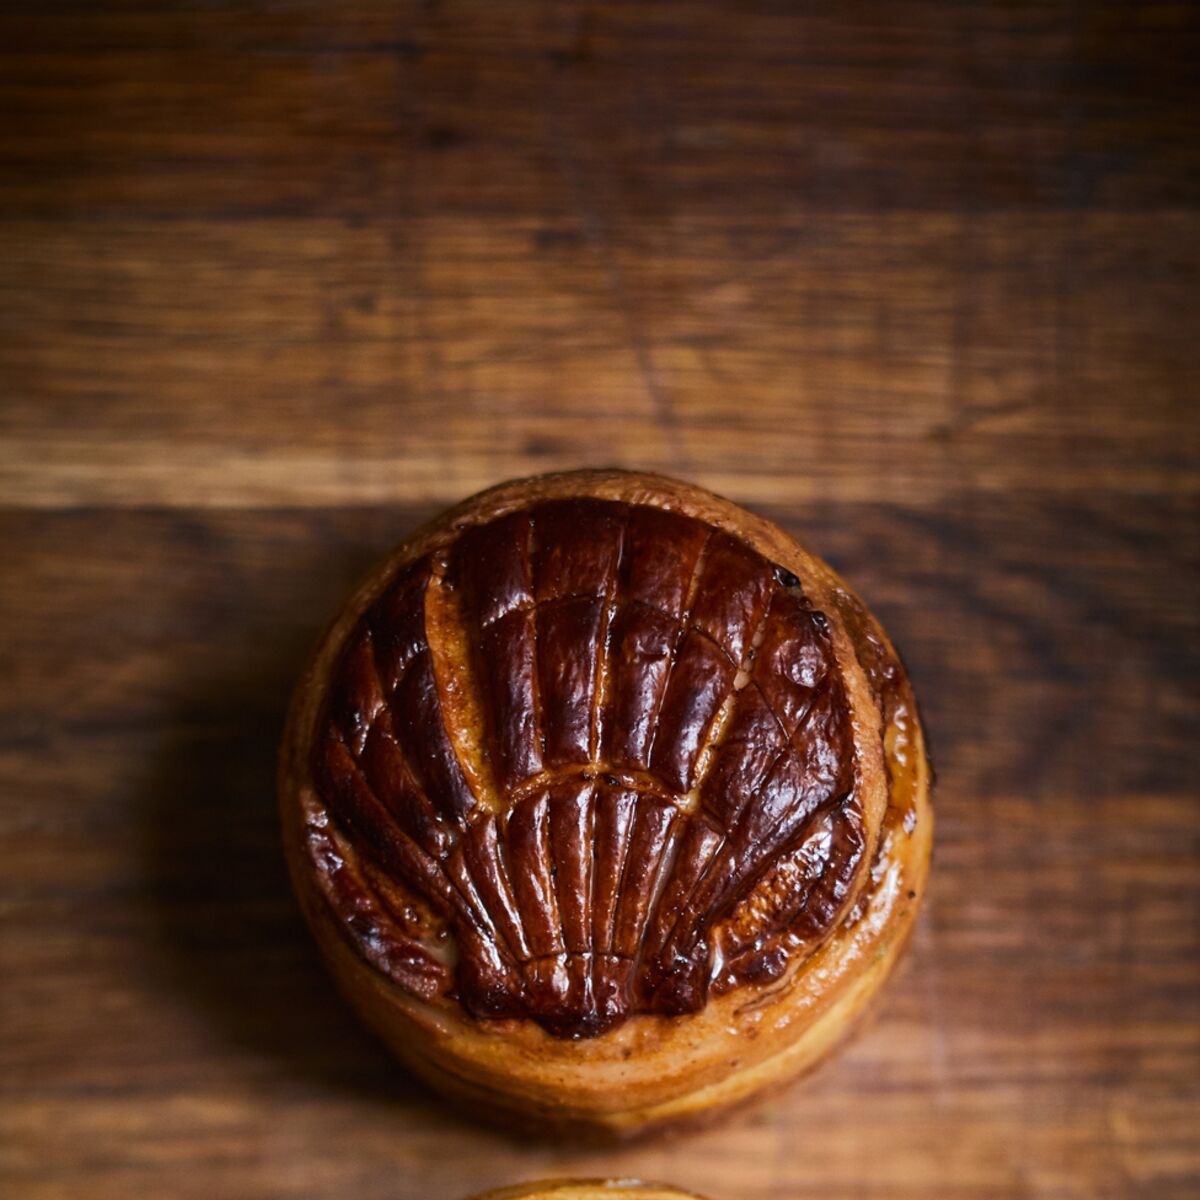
230, 936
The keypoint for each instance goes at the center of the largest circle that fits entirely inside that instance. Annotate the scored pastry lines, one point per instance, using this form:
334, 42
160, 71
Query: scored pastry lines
603, 677
716, 733
458, 687
436, 819
538, 733
706, 757
677, 640
720, 723
458, 886
531, 915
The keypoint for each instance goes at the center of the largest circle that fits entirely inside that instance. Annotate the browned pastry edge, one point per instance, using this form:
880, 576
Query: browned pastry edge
652, 1071
586, 1189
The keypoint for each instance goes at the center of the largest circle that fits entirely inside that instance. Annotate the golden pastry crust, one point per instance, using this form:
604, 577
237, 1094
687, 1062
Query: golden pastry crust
587, 1189
649, 1061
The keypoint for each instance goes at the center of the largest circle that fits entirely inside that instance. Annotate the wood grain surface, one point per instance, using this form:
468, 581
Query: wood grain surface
278, 281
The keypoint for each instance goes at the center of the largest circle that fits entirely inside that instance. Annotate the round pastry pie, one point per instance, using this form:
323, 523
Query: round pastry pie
607, 803
587, 1189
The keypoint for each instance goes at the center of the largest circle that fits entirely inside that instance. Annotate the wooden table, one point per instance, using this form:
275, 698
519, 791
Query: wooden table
278, 281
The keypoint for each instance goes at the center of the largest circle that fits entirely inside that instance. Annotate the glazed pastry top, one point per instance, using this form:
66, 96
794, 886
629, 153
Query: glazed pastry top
588, 760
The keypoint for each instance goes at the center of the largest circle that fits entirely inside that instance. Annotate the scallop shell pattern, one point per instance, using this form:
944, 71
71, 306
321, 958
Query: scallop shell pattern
592, 759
